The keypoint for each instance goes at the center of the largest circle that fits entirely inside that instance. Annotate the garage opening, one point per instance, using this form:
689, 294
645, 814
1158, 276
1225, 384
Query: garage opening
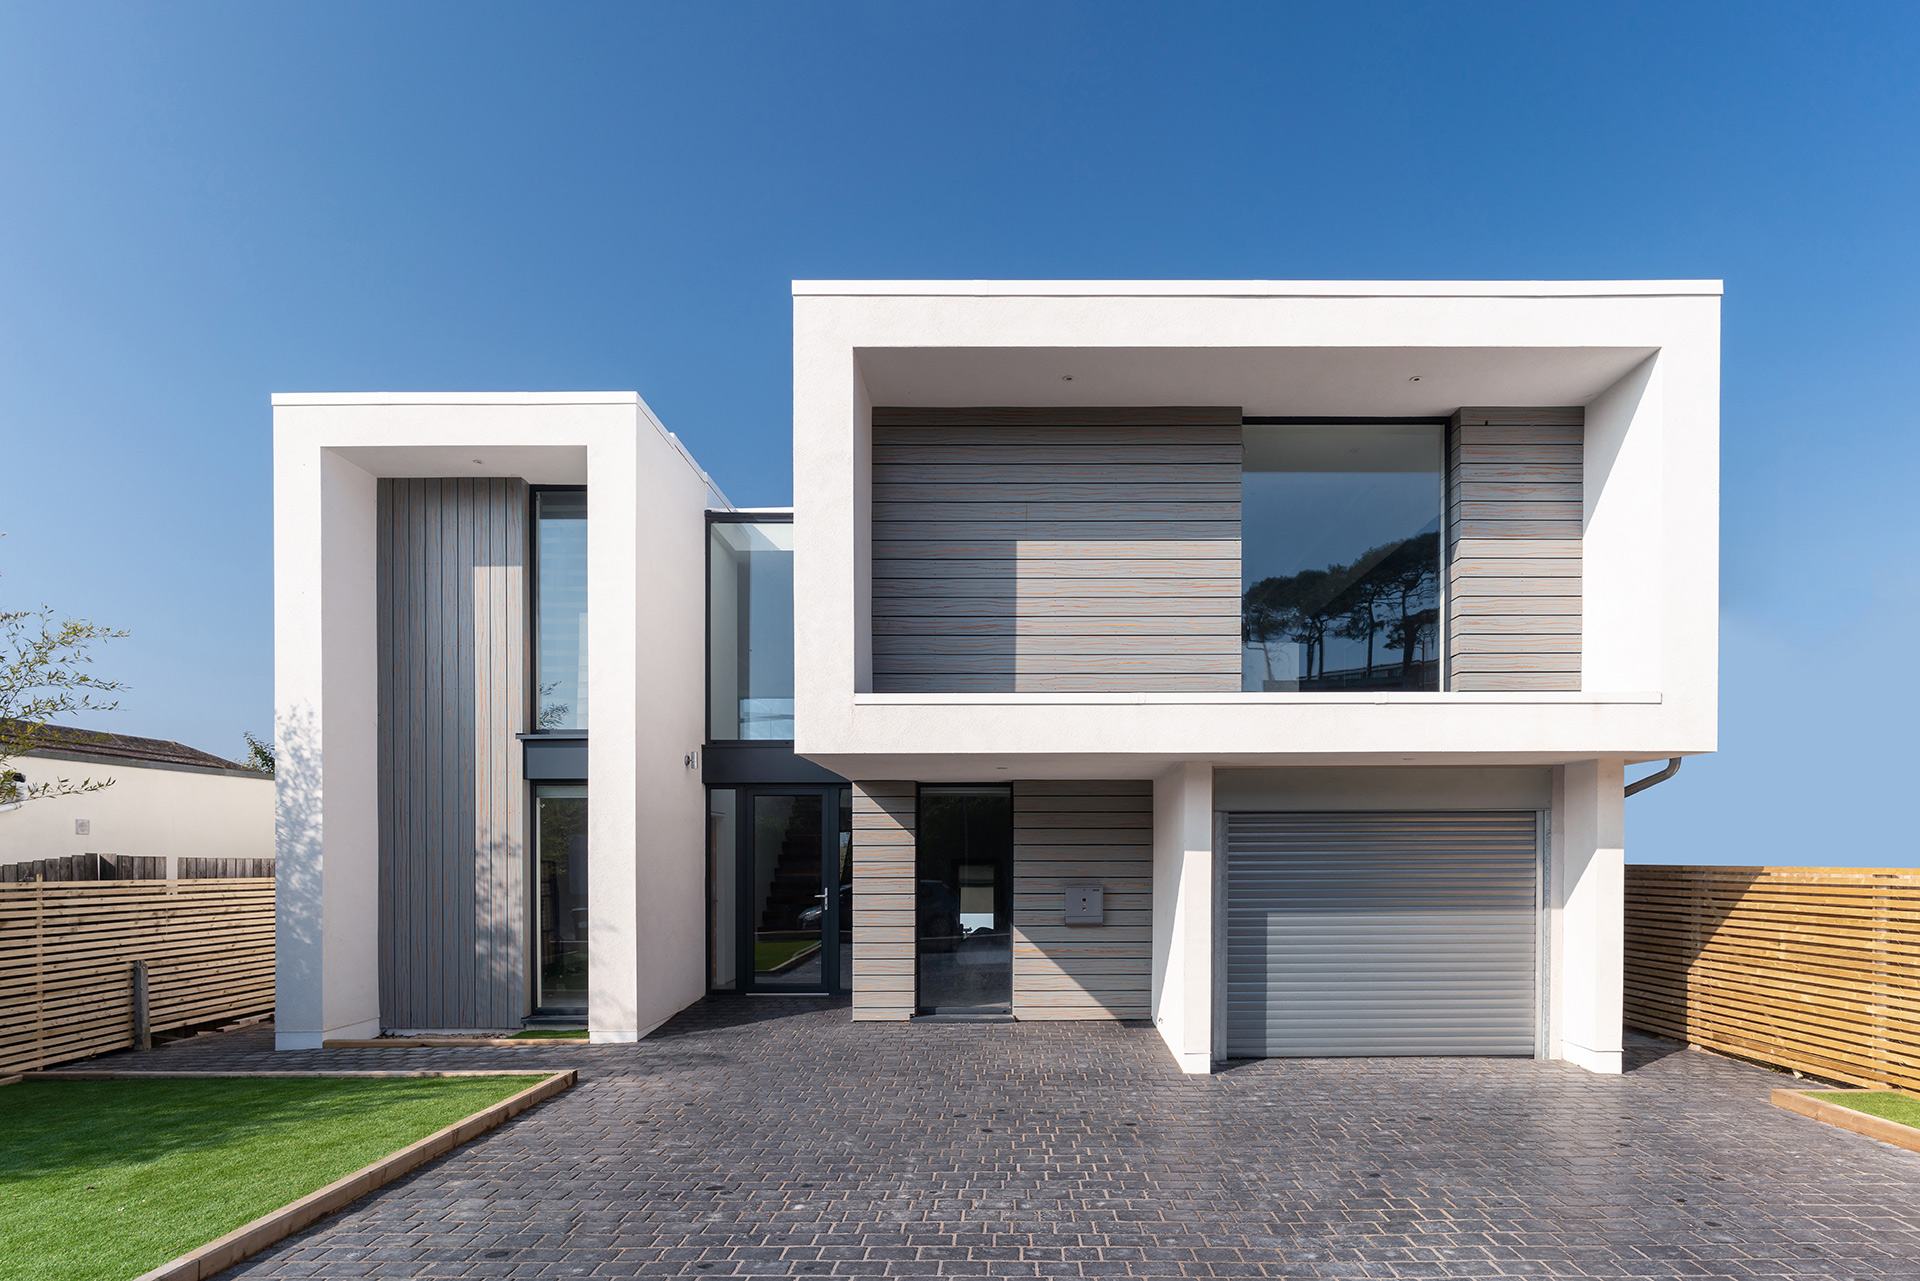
1382, 933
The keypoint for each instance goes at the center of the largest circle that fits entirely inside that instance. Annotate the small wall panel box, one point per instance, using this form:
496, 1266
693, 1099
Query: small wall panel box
83, 827
1085, 905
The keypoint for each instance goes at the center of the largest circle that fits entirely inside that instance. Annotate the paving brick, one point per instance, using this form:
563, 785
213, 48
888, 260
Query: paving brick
776, 1137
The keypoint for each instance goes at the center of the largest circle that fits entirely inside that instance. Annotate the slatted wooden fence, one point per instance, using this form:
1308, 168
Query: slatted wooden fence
1814, 969
67, 953
92, 867
222, 868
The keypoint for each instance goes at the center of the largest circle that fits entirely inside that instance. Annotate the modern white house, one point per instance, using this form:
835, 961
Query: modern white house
1264, 659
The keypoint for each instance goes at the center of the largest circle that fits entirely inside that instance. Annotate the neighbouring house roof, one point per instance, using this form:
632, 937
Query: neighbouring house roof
66, 740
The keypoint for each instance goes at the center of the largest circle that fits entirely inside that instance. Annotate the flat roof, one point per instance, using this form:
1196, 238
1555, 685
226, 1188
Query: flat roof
1261, 288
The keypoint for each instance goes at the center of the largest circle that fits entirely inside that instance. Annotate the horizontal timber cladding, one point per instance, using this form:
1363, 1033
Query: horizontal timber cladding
1811, 968
883, 902
453, 694
1513, 536
67, 954
1097, 833
1056, 550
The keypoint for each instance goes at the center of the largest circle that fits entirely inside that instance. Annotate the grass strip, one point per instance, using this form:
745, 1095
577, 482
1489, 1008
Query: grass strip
772, 954
1888, 1105
550, 1034
105, 1180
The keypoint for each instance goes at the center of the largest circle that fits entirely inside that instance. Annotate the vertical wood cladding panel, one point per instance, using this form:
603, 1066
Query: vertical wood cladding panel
1049, 549
454, 946
883, 902
1514, 527
1095, 832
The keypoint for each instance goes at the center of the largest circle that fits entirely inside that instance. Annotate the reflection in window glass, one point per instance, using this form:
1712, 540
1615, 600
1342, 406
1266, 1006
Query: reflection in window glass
560, 835
789, 901
964, 899
1340, 557
751, 599
560, 609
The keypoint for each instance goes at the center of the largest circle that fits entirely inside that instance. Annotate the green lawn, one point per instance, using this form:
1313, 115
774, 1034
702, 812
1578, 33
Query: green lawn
105, 1180
1887, 1104
550, 1034
771, 954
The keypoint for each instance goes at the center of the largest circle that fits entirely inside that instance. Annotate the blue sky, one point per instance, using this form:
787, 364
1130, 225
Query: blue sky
203, 204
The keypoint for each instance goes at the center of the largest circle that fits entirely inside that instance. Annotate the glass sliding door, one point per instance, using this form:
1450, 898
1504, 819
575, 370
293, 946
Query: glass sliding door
780, 878
964, 893
560, 851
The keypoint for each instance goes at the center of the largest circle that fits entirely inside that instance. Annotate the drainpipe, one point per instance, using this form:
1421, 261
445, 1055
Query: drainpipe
1641, 785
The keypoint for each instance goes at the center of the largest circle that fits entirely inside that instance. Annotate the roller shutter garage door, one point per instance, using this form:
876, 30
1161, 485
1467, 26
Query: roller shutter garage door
1381, 933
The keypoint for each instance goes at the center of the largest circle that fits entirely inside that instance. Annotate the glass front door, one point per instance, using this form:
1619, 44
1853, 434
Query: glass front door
782, 917
964, 916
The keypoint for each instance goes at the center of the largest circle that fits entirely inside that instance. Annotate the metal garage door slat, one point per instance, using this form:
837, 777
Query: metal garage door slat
1379, 934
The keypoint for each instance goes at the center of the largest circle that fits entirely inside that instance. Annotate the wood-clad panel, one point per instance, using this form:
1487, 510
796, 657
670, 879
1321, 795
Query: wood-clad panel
67, 954
883, 900
452, 694
1112, 533
1813, 969
1514, 523
1071, 831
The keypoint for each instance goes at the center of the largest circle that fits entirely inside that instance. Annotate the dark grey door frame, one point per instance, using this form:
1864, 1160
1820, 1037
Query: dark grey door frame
831, 979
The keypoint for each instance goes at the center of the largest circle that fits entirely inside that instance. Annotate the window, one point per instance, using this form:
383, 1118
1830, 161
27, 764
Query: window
750, 630
560, 846
560, 609
1340, 556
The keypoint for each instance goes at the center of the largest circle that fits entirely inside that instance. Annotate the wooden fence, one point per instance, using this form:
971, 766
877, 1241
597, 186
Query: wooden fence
88, 867
1805, 968
221, 868
132, 867
67, 954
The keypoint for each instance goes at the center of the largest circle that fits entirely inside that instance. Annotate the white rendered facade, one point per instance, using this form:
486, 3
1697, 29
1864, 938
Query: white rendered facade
646, 574
1641, 358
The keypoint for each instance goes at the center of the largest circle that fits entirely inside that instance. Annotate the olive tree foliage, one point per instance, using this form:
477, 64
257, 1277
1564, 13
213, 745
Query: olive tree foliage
46, 672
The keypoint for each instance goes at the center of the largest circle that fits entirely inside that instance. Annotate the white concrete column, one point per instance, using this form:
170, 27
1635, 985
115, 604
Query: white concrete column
326, 778
1589, 913
1183, 913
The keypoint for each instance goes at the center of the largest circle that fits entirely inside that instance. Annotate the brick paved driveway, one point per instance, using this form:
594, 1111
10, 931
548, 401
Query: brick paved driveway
775, 1137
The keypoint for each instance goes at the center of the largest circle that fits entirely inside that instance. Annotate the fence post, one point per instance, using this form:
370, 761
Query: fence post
142, 1034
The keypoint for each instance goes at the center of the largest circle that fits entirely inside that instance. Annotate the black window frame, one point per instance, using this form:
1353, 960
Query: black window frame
533, 607
1443, 678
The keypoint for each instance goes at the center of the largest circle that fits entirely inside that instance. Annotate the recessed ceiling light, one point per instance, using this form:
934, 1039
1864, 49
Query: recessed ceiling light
1414, 379
1066, 378
476, 462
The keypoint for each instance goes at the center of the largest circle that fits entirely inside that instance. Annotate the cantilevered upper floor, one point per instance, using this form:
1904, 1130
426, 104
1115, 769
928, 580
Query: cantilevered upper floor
1088, 526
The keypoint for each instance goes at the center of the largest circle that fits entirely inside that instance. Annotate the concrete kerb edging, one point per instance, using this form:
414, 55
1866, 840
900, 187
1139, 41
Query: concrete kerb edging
1809, 1103
251, 1238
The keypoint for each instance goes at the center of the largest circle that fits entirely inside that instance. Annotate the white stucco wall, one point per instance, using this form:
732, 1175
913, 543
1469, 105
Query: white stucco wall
1183, 924
1643, 355
149, 811
645, 582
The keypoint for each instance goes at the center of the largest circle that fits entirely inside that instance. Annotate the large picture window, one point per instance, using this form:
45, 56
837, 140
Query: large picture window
1340, 556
